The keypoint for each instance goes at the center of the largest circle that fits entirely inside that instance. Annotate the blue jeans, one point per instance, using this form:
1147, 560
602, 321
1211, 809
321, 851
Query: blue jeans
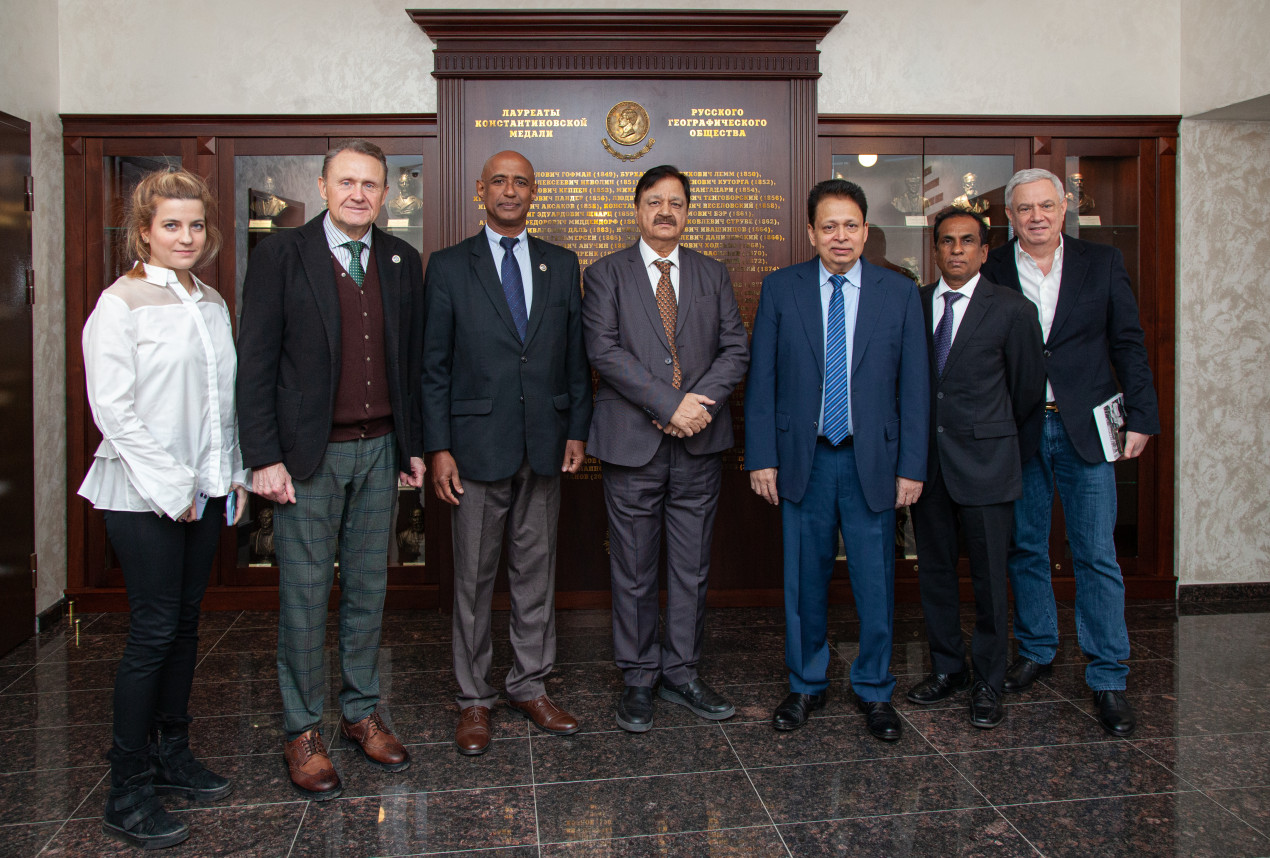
1088, 494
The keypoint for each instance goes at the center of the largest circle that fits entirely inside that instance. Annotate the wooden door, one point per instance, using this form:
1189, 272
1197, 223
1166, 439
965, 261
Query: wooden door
17, 470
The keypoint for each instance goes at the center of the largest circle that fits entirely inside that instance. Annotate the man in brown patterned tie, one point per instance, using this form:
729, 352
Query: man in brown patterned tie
664, 333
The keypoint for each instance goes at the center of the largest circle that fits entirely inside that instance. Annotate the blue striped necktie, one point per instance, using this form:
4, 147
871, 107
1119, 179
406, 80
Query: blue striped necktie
837, 372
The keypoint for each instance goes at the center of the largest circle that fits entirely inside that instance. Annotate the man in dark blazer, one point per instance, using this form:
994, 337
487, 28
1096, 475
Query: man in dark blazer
665, 335
1094, 346
987, 382
506, 406
836, 412
329, 352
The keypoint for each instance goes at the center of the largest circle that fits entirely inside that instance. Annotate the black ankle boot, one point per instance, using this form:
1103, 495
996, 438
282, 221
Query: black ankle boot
176, 772
134, 813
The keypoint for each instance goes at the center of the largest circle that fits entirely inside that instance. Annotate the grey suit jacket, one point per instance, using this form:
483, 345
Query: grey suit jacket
627, 345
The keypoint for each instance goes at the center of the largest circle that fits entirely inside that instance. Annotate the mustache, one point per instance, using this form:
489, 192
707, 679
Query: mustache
664, 219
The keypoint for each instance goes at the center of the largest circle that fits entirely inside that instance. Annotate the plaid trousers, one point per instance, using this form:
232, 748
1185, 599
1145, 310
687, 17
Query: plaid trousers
346, 506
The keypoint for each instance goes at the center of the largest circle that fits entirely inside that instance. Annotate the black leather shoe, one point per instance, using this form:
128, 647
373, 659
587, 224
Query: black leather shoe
986, 710
699, 697
635, 709
939, 686
881, 718
795, 709
1020, 675
1114, 713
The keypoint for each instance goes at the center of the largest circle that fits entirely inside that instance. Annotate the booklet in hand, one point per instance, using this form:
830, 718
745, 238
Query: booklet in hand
1110, 419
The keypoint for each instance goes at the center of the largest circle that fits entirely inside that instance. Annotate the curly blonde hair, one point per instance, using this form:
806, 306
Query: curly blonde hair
153, 189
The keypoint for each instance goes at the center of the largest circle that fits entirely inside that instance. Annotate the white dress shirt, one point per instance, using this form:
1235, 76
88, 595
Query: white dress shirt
160, 365
654, 273
1041, 289
850, 306
520, 252
958, 307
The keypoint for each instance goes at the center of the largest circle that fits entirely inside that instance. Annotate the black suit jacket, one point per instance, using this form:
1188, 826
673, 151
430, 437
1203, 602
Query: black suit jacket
487, 398
993, 385
1095, 330
289, 347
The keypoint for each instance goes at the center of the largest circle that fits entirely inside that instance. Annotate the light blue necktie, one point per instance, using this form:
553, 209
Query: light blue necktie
837, 372
514, 286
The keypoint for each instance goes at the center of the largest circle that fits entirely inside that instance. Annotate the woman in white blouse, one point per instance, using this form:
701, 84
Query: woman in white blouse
159, 356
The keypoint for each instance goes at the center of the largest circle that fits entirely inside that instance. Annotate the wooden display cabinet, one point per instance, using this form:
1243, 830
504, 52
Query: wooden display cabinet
1123, 195
1127, 167
263, 171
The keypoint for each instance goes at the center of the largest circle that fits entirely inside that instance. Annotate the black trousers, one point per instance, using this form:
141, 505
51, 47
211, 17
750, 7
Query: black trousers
166, 565
986, 530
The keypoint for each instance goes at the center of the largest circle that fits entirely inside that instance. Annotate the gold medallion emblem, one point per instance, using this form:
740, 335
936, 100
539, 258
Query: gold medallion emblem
628, 124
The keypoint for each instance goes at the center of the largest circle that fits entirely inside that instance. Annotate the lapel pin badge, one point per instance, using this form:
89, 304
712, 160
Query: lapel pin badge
542, 266
396, 258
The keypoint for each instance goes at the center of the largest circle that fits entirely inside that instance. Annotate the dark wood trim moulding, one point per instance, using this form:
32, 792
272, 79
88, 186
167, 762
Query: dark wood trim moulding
663, 44
1038, 127
248, 125
1203, 594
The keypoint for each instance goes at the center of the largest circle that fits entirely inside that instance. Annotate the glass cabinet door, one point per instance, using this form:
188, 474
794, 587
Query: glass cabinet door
113, 170
1103, 180
275, 188
907, 182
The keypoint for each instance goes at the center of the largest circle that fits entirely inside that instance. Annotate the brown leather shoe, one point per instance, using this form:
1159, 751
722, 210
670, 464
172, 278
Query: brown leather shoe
376, 742
310, 767
547, 715
471, 737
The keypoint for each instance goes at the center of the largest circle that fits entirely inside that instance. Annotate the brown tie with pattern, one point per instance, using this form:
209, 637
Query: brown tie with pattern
669, 310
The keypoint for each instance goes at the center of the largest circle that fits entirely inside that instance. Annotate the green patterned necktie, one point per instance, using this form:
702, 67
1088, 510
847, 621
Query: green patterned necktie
355, 264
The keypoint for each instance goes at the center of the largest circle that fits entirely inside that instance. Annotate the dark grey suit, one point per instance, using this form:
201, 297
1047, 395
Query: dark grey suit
504, 409
992, 385
648, 475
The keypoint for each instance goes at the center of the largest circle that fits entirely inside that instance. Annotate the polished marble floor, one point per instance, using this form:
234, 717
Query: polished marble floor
1193, 781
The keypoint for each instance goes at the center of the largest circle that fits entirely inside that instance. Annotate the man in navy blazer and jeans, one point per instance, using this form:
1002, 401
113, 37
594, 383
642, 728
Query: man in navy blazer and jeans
836, 412
1093, 340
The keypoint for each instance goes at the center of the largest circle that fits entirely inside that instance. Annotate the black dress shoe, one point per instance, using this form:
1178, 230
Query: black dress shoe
881, 718
795, 709
939, 686
1115, 714
1020, 675
986, 710
699, 697
635, 709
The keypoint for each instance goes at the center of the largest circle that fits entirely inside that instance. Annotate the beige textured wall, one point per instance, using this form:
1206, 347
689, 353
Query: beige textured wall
1225, 53
29, 71
1223, 334
888, 56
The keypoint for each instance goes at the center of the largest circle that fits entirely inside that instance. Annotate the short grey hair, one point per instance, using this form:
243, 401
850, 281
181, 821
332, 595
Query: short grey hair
1025, 177
361, 147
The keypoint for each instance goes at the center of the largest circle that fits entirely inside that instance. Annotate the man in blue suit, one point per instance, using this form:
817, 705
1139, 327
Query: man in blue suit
836, 421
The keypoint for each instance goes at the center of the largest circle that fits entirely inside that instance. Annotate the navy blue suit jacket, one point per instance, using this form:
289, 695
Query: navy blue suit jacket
890, 388
488, 398
1095, 329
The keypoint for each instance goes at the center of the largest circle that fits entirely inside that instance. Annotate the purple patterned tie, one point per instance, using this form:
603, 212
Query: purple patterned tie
944, 331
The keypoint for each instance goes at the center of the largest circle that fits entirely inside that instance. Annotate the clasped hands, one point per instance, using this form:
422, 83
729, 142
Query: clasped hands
690, 418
